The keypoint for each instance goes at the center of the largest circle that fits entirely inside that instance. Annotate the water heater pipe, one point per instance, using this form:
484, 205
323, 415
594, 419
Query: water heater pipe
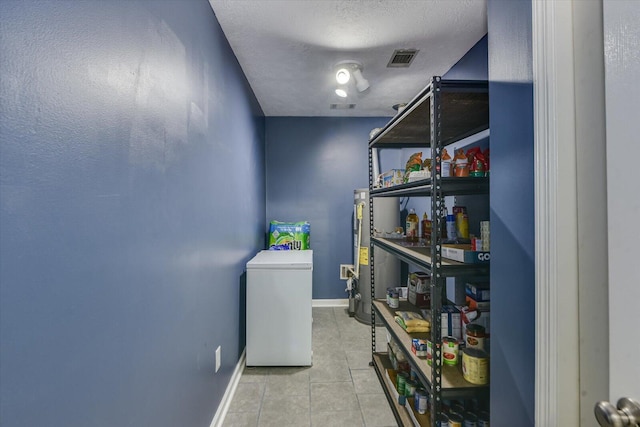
375, 165
359, 216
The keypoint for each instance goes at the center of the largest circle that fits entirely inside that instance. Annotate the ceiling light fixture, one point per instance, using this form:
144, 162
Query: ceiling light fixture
346, 69
362, 84
342, 76
341, 93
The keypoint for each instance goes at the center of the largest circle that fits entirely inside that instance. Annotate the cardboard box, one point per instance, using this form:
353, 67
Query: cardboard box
419, 285
392, 177
463, 253
477, 305
419, 300
420, 282
478, 291
451, 322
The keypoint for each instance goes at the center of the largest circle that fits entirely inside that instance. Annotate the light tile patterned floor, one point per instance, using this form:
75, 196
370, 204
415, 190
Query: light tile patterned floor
340, 389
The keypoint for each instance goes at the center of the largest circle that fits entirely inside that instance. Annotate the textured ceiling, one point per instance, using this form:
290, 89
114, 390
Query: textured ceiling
288, 48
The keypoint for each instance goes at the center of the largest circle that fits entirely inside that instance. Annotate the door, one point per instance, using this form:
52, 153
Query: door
621, 19
586, 70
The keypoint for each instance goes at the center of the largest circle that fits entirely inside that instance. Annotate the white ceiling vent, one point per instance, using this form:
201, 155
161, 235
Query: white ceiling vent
343, 106
402, 57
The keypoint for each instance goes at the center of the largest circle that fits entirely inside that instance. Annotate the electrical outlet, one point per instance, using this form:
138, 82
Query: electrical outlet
346, 271
218, 357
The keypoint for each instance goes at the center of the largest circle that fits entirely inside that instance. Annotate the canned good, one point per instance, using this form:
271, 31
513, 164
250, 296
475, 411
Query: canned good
474, 336
389, 291
394, 299
455, 419
475, 366
462, 225
450, 350
470, 419
443, 420
483, 419
401, 381
457, 408
409, 387
421, 401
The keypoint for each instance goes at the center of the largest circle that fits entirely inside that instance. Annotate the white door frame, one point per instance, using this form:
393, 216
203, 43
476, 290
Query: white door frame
570, 206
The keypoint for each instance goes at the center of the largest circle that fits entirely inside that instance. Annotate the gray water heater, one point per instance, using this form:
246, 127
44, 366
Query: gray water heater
386, 213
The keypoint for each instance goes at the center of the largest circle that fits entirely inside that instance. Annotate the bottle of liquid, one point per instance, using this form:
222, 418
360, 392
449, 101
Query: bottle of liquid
426, 228
451, 227
443, 225
412, 226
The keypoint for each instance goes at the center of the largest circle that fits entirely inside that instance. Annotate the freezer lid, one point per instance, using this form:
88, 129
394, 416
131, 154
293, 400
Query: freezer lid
289, 260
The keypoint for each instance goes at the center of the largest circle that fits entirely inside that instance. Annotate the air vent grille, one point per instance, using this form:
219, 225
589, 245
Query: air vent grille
343, 106
402, 57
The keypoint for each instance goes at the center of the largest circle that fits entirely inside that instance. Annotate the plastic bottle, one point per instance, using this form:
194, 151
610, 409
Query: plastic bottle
412, 226
451, 227
426, 228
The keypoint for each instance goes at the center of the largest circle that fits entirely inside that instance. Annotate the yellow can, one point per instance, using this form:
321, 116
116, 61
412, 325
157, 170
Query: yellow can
462, 225
475, 366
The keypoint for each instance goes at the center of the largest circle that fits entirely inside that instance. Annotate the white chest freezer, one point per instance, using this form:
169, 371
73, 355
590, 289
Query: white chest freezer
279, 286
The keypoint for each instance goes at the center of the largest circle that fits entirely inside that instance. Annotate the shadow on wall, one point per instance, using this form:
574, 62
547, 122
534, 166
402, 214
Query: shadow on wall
242, 312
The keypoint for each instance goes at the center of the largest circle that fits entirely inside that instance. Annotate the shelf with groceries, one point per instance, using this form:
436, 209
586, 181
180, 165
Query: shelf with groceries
453, 381
444, 133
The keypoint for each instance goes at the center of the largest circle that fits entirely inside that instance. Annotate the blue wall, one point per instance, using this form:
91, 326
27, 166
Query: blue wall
512, 214
313, 166
474, 65
132, 194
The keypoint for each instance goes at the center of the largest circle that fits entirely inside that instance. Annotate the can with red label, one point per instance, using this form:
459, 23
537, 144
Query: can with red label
450, 350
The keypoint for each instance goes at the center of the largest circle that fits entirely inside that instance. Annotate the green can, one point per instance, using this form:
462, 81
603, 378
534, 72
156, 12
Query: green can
410, 387
401, 381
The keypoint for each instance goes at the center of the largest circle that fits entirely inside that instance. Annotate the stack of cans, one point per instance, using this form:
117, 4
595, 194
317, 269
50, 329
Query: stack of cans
485, 235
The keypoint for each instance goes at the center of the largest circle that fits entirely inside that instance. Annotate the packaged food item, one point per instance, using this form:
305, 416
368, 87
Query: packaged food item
477, 162
461, 163
392, 177
451, 227
445, 167
462, 225
450, 350
426, 228
426, 165
412, 322
413, 164
462, 222
485, 153
294, 235
412, 226
394, 299
475, 366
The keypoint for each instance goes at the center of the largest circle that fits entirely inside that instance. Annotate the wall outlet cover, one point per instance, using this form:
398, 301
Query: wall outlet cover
218, 357
346, 271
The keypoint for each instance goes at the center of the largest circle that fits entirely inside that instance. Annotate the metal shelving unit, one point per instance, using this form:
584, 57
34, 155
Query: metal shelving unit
441, 114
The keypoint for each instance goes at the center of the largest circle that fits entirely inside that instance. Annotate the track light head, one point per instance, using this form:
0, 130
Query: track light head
344, 71
343, 76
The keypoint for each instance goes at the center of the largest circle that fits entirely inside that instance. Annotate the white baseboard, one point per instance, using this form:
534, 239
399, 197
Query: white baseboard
221, 413
330, 302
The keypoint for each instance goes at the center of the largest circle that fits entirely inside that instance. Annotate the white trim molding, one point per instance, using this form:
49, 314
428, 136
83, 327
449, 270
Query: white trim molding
557, 331
221, 413
330, 303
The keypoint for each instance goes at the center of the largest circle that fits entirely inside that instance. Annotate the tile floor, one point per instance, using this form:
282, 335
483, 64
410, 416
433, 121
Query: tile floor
340, 389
